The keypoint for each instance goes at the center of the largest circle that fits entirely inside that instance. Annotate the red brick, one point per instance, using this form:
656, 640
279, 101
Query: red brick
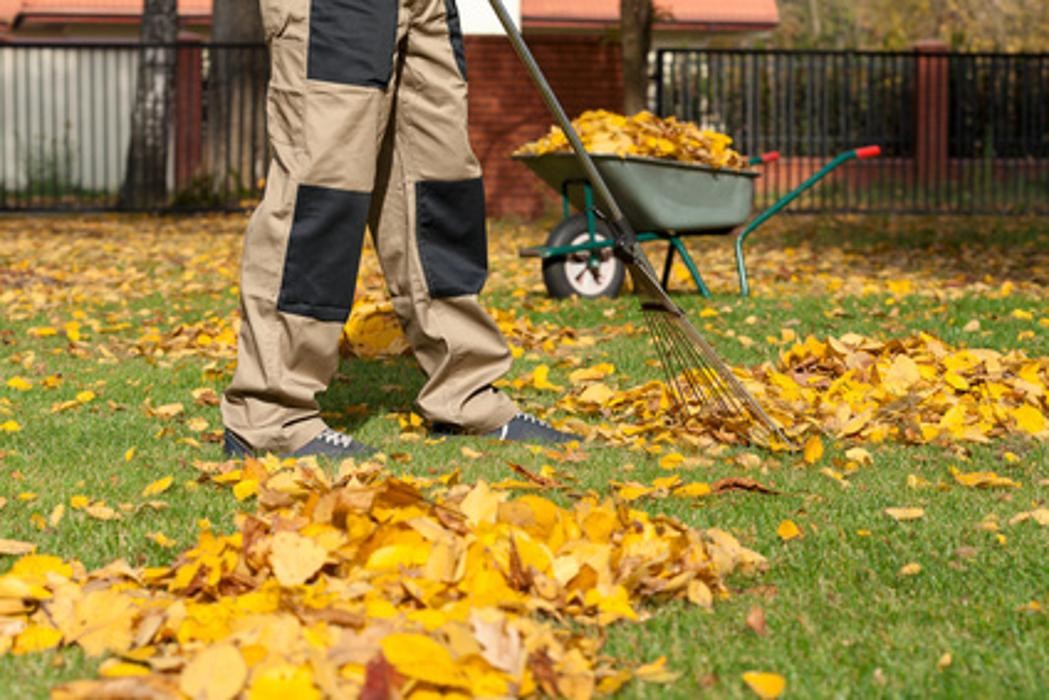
506, 111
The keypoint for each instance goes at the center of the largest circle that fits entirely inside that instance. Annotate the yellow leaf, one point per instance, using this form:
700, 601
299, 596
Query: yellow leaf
694, 490
283, 682
114, 668
1030, 420
945, 661
420, 657
912, 569
596, 394
100, 511
85, 397
656, 672
470, 453
162, 540
129, 454
169, 410
672, 460
19, 384
36, 638
541, 379
788, 530
158, 487
10, 426
859, 455
295, 559
813, 451
983, 480
904, 514
245, 489
901, 375
767, 686
217, 673
56, 515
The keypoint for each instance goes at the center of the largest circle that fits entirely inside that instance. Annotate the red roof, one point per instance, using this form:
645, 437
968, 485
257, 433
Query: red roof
10, 10
699, 14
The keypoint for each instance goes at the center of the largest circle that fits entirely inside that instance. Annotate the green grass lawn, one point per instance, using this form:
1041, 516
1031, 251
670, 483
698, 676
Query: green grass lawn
842, 620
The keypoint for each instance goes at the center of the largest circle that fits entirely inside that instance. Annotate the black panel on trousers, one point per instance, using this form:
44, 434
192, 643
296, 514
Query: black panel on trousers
352, 41
452, 239
324, 253
455, 31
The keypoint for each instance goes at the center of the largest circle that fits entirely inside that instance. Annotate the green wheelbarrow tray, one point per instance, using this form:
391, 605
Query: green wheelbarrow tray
657, 195
665, 200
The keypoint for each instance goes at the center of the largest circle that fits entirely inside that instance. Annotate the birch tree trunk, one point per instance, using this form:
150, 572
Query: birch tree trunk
636, 17
145, 178
237, 79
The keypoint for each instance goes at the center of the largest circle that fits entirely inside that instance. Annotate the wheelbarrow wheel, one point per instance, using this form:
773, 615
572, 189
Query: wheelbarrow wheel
588, 274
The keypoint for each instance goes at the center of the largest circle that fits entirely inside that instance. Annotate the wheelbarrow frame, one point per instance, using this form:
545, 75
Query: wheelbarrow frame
595, 244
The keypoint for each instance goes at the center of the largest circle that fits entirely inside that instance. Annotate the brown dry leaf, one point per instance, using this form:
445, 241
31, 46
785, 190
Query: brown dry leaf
742, 483
756, 621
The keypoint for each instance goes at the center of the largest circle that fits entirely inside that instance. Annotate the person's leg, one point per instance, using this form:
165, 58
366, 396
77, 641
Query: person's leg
429, 224
328, 102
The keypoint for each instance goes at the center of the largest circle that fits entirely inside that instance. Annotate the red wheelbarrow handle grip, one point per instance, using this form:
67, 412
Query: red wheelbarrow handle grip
770, 157
868, 152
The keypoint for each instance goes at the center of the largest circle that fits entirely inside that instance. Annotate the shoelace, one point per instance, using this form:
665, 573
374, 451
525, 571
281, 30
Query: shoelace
335, 438
529, 418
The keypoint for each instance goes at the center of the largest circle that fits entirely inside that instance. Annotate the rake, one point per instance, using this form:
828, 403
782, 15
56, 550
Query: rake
703, 387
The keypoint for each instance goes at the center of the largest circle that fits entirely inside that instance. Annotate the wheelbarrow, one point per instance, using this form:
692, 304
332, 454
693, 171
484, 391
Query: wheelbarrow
665, 200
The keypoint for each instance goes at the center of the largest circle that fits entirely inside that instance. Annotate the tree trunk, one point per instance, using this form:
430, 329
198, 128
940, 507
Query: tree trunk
237, 100
636, 17
145, 179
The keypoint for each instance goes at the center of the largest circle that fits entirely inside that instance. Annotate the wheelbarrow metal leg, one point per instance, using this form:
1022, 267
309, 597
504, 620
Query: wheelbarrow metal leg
784, 202
668, 264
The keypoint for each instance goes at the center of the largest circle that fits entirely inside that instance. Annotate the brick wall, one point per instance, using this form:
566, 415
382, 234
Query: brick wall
506, 111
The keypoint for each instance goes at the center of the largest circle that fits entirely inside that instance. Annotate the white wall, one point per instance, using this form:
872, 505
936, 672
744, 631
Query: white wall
478, 18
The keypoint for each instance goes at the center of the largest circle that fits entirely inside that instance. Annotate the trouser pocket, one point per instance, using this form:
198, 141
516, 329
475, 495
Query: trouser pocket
352, 41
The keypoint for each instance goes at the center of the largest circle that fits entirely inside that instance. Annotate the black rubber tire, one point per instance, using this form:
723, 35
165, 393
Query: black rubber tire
557, 276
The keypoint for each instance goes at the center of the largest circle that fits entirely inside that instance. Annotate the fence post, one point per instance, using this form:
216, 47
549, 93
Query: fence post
932, 110
189, 76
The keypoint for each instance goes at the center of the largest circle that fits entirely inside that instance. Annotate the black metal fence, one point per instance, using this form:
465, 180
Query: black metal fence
68, 115
961, 133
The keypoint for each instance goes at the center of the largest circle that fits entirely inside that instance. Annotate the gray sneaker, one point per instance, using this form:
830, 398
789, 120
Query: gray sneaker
330, 443
524, 427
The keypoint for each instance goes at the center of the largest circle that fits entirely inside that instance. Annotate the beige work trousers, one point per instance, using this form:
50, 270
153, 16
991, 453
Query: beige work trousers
367, 119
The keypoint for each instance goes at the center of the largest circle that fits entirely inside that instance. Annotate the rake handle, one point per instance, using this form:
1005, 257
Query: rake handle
626, 238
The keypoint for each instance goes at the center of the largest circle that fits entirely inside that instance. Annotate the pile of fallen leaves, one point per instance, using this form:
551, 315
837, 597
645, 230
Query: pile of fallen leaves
645, 135
915, 390
377, 586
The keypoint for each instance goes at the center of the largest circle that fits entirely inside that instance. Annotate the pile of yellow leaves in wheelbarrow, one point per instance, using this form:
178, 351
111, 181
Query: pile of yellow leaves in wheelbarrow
644, 135
373, 586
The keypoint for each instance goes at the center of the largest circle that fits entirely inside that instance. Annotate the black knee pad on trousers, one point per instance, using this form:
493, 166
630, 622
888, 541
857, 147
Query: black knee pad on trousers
452, 237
